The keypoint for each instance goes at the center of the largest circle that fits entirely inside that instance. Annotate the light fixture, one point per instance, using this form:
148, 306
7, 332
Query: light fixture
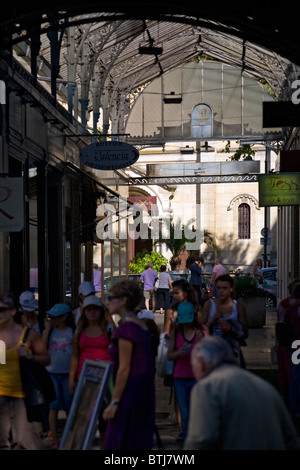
186, 150
150, 50
172, 98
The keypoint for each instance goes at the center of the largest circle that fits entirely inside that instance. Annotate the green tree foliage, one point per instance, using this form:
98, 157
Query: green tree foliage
244, 152
210, 241
246, 286
175, 240
140, 261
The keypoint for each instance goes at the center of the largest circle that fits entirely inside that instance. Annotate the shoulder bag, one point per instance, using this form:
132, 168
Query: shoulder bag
37, 386
164, 367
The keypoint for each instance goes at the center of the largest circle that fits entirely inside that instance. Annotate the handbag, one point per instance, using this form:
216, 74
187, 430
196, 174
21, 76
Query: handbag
156, 284
37, 386
164, 367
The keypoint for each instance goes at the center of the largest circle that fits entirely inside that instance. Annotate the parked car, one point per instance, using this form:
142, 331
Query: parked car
270, 275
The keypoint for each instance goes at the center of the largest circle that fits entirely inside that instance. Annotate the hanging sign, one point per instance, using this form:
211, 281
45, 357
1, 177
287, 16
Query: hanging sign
111, 155
279, 189
11, 204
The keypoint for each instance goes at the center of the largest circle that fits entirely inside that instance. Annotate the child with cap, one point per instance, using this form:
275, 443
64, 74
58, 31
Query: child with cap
28, 310
183, 337
58, 337
92, 337
91, 341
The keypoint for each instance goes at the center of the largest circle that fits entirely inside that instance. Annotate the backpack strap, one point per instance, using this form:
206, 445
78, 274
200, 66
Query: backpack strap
25, 335
48, 340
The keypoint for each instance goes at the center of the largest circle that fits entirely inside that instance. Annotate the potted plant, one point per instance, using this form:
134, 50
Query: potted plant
175, 240
253, 297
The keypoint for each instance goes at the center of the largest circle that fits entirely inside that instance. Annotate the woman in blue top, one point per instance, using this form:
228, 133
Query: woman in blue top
58, 337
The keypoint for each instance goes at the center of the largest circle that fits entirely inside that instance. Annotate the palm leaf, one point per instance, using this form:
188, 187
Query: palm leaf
174, 236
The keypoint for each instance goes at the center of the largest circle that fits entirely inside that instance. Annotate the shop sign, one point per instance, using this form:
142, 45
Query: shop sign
111, 155
279, 189
11, 204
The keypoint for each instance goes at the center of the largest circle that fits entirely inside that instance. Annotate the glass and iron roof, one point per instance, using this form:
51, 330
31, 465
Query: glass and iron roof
111, 56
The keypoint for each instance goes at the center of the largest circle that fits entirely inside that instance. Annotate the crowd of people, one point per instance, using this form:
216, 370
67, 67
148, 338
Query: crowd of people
218, 403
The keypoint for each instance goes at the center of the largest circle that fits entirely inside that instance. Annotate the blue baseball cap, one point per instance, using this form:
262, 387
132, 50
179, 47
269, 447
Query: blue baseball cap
185, 312
58, 309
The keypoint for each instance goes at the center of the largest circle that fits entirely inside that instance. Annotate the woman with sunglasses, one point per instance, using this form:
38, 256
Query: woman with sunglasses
131, 412
16, 432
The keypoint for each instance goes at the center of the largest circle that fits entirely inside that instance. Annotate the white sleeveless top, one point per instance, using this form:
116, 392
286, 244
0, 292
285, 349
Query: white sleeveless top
212, 310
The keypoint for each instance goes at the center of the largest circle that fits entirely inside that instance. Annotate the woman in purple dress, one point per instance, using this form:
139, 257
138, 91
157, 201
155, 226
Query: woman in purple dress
131, 413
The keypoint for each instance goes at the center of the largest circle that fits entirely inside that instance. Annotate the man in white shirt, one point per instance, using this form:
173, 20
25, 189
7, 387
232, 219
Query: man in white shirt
232, 408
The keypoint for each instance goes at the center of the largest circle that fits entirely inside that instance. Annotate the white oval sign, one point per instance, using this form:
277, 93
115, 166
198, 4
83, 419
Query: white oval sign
111, 155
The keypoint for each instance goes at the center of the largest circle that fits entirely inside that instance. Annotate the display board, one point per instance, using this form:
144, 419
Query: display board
81, 424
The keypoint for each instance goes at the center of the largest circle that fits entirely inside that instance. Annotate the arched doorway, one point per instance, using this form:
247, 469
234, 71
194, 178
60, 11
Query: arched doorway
145, 202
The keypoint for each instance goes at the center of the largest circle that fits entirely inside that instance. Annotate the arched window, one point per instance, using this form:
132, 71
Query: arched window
244, 221
202, 121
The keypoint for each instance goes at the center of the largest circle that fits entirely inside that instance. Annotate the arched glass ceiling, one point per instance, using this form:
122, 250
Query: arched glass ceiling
206, 100
101, 52
275, 27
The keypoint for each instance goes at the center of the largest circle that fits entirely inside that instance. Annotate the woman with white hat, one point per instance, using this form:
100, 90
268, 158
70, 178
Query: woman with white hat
28, 310
85, 288
91, 341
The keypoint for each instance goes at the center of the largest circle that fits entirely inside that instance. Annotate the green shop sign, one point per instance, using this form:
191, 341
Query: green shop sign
279, 189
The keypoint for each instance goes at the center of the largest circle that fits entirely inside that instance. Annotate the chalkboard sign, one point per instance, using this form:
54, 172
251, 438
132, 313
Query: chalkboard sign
81, 424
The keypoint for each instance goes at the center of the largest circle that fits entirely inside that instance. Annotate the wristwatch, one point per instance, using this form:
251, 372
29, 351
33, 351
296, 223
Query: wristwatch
114, 402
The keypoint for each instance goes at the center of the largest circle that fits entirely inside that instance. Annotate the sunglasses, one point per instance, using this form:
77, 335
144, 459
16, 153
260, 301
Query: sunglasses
111, 297
4, 309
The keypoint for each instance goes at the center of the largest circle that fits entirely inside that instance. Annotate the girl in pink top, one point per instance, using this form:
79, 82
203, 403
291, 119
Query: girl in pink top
186, 333
91, 341
91, 338
92, 348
